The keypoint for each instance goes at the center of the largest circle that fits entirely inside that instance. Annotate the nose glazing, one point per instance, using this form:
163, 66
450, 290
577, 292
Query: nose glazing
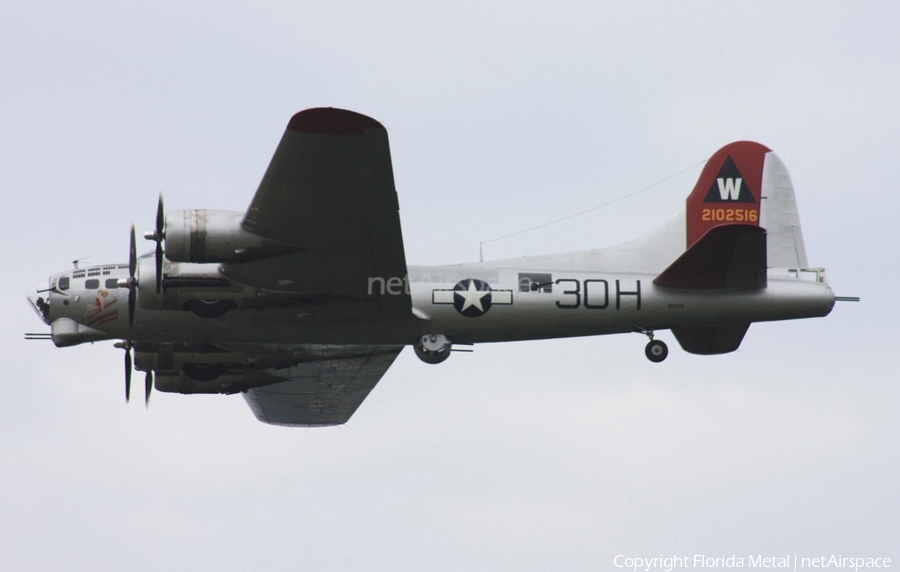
39, 298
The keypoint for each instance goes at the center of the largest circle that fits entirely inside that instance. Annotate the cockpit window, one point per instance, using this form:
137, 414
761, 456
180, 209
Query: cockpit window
112, 283
91, 284
63, 283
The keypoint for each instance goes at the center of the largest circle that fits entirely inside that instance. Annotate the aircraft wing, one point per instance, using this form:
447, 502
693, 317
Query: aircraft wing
329, 195
323, 392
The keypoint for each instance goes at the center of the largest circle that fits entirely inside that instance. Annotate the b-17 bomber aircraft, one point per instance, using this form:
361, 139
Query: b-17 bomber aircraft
302, 302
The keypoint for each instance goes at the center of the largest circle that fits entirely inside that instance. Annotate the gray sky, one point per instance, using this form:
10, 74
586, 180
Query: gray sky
553, 455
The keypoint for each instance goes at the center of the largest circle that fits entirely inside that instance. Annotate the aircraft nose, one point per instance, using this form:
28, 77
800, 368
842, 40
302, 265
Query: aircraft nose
39, 298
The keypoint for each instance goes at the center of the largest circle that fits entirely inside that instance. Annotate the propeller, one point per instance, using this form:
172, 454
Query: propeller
126, 345
131, 282
128, 373
157, 236
148, 387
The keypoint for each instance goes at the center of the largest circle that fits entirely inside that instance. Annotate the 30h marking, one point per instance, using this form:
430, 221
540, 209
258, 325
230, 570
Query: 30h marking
594, 294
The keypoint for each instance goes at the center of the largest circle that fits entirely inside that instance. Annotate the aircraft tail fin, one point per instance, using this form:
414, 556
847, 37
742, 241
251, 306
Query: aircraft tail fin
746, 184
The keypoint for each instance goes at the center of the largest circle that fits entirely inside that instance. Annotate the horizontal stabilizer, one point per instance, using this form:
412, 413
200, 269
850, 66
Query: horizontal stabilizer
726, 257
712, 340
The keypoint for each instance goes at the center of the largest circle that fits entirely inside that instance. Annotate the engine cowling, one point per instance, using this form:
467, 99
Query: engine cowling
184, 282
203, 235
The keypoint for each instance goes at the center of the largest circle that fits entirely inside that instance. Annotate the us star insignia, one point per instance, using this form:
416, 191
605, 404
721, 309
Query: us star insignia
472, 297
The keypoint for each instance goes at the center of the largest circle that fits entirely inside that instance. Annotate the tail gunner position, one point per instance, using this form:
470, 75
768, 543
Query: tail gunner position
302, 302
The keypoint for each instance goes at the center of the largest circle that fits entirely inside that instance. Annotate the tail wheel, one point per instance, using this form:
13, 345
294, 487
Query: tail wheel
656, 351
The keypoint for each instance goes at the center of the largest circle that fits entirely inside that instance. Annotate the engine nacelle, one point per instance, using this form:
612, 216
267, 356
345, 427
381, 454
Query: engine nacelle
184, 282
202, 235
193, 368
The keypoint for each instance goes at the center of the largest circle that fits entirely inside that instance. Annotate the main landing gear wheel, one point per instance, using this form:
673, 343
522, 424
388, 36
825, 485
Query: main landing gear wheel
656, 351
433, 348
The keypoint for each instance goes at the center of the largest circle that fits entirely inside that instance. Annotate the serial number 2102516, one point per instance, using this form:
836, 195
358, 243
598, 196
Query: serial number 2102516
729, 215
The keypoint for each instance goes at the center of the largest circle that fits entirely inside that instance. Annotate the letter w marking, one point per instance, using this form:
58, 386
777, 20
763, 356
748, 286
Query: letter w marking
729, 189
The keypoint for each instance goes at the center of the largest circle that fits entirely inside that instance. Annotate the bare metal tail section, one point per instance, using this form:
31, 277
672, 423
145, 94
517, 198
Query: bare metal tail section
780, 217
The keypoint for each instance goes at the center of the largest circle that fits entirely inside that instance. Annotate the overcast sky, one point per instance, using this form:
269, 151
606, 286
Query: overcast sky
550, 455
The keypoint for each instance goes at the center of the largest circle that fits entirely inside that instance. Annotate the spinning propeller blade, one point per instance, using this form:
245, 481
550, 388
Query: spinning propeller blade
127, 371
132, 284
158, 238
148, 387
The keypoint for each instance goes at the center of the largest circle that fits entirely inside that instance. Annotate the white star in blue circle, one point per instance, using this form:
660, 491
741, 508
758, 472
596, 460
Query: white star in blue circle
472, 297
